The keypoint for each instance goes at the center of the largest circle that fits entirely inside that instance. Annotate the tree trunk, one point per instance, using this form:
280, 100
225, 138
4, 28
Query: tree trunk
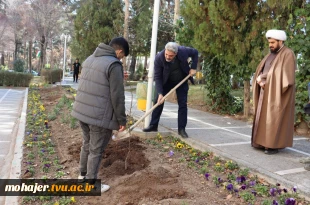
2, 58
176, 13
132, 67
15, 52
25, 51
42, 43
52, 56
246, 101
30, 56
126, 31
235, 83
145, 63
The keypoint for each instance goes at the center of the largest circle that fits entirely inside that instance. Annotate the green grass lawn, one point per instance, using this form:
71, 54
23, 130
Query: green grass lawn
37, 80
198, 93
132, 83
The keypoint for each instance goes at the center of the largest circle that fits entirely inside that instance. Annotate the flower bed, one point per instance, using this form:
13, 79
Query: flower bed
153, 171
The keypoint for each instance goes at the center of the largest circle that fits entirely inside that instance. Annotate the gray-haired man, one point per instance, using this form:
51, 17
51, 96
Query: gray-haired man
171, 67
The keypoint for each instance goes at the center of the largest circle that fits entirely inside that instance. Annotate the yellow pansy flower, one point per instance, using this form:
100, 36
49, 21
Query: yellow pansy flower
179, 145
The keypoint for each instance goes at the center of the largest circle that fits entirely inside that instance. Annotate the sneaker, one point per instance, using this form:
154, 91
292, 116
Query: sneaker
104, 188
81, 179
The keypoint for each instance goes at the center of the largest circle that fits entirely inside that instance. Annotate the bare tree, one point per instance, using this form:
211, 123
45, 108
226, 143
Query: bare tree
14, 15
6, 39
46, 16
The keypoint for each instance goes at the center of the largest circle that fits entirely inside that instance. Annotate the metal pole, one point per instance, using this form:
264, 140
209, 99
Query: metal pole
152, 58
64, 66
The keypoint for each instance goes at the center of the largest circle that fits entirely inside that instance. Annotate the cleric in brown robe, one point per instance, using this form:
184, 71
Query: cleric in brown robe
274, 96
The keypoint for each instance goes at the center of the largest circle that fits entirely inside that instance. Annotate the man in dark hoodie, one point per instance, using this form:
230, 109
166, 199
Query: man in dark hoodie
171, 67
100, 104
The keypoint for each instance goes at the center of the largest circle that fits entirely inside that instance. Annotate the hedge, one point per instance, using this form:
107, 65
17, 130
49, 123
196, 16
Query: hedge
52, 76
15, 79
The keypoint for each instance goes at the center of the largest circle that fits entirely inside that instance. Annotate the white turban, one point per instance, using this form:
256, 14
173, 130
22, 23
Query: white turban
276, 34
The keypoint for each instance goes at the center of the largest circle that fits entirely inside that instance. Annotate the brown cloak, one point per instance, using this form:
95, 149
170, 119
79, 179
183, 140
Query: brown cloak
275, 125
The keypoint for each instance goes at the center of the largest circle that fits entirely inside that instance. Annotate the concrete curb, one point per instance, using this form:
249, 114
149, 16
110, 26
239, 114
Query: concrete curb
15, 171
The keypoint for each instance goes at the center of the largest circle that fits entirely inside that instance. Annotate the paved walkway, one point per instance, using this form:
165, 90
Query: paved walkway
13, 103
231, 139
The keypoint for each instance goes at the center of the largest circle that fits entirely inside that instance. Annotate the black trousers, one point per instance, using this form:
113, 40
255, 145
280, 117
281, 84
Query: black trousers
75, 76
182, 92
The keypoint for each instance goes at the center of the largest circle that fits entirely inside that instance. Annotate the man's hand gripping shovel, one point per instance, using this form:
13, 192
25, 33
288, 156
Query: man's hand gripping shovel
151, 110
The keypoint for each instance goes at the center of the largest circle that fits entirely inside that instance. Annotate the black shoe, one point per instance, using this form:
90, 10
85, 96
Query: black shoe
183, 133
271, 151
151, 128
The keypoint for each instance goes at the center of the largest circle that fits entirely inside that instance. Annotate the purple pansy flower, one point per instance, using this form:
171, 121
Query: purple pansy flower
207, 176
230, 187
274, 202
285, 190
290, 201
254, 192
47, 165
171, 153
243, 187
252, 183
272, 191
295, 188
241, 179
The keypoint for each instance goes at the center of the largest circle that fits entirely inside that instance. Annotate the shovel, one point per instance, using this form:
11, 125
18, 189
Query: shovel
155, 106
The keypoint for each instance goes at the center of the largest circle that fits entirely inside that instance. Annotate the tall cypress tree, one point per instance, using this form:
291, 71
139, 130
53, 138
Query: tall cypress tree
97, 21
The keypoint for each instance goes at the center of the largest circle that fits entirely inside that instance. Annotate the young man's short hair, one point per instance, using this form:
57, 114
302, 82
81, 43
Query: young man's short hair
120, 43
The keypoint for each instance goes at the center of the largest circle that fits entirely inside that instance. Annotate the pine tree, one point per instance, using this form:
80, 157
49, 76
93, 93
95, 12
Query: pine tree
97, 21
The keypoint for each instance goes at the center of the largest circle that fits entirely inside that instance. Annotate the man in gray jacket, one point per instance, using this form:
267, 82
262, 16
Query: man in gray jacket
100, 104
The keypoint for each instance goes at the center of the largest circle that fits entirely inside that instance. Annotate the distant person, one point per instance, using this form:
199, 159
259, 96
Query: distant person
76, 70
274, 96
171, 67
100, 104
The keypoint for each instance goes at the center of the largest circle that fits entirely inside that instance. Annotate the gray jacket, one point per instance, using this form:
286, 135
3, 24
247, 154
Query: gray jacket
100, 98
